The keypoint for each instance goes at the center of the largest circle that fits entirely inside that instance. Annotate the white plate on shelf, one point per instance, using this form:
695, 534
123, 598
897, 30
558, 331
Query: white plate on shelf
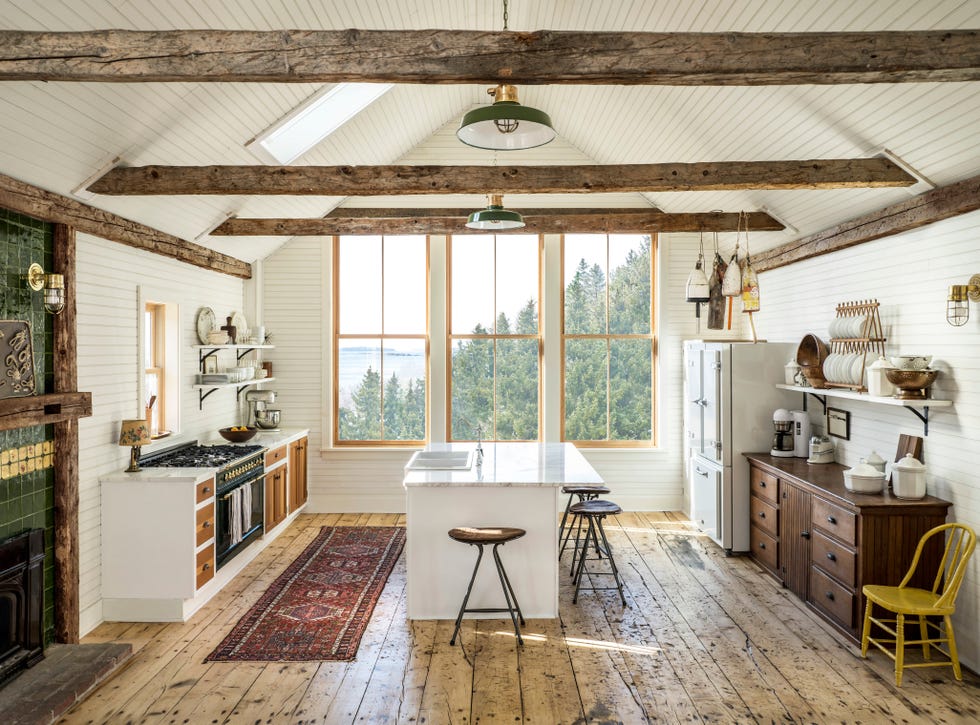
205, 324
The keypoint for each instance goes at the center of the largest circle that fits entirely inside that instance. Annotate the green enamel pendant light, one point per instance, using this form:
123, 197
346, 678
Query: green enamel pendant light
495, 217
505, 125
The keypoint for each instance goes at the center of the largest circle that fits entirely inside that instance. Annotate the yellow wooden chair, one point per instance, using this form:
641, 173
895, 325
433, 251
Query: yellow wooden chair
905, 600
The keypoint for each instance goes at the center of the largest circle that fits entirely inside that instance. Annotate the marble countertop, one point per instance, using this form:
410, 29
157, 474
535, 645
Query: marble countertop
196, 475
511, 464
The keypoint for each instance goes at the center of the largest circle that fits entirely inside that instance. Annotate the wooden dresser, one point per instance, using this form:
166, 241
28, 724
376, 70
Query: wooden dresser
824, 543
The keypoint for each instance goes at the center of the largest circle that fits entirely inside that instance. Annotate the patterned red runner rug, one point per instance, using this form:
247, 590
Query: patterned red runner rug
319, 607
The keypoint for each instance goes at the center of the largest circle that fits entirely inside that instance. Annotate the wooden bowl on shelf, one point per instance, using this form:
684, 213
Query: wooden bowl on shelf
239, 434
811, 352
814, 376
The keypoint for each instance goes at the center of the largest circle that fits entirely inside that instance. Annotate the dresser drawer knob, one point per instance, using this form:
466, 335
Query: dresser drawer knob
831, 520
762, 484
206, 489
206, 525
805, 534
205, 567
762, 544
830, 555
762, 514
830, 596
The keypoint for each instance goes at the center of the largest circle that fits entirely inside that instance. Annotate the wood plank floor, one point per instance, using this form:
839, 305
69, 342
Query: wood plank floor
706, 639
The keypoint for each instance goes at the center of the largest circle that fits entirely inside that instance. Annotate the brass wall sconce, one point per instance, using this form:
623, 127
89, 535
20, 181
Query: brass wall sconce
958, 301
52, 284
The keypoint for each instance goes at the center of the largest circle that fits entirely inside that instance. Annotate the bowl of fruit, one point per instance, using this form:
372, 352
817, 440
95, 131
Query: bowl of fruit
238, 433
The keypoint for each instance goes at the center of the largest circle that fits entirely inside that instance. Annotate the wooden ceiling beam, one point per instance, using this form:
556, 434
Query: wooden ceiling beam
41, 204
399, 179
932, 206
383, 212
566, 222
470, 56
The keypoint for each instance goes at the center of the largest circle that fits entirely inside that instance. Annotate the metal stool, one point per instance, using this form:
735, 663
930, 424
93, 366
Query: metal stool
584, 493
479, 537
594, 512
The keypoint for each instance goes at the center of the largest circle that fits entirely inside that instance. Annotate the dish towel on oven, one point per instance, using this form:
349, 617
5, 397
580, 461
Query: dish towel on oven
246, 507
235, 515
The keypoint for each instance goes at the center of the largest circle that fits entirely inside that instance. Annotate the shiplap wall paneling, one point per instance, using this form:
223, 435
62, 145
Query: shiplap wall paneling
108, 366
909, 275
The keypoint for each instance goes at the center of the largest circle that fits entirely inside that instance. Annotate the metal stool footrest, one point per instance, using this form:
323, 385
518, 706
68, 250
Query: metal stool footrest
594, 512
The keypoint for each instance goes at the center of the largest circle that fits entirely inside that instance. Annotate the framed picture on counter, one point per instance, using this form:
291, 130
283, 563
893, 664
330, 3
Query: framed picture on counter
839, 423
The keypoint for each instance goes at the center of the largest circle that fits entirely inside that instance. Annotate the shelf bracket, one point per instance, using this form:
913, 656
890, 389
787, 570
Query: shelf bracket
203, 355
822, 399
923, 416
238, 391
201, 395
243, 353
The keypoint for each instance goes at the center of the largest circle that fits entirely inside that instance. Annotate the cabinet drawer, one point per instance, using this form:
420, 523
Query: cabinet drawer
275, 455
205, 566
835, 520
763, 547
833, 558
831, 598
763, 484
205, 490
763, 515
205, 523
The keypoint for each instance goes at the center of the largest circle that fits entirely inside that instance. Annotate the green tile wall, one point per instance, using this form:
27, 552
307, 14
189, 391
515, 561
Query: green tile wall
27, 499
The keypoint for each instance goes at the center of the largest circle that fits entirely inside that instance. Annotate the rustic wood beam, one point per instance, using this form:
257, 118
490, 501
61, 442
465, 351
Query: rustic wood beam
932, 206
43, 409
66, 566
398, 179
564, 223
470, 56
382, 212
46, 205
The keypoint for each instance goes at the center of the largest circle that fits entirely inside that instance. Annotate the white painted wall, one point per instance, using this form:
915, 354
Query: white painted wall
909, 275
106, 298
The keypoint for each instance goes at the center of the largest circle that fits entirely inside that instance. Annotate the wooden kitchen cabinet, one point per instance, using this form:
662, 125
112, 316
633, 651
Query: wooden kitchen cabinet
298, 493
275, 497
824, 543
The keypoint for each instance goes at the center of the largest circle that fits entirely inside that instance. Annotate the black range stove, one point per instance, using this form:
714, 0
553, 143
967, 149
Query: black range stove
233, 462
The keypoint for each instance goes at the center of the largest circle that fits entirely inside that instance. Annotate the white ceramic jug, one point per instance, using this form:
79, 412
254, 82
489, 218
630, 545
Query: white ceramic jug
909, 478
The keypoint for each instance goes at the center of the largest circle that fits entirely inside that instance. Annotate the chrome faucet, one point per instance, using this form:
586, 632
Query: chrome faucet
479, 445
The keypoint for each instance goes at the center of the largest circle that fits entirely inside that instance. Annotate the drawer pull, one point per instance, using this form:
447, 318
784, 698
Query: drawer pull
762, 484
831, 520
206, 567
762, 544
206, 489
830, 596
830, 555
805, 534
762, 514
701, 473
206, 525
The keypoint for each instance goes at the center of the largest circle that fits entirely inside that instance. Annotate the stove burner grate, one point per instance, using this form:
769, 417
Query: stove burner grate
196, 456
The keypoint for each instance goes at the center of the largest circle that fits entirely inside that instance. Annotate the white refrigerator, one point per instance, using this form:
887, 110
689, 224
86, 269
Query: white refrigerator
730, 394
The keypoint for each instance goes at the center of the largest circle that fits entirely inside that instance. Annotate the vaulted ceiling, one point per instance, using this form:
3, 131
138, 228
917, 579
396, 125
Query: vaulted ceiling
58, 134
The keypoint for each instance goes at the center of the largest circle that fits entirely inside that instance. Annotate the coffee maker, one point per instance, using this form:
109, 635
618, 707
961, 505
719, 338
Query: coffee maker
784, 440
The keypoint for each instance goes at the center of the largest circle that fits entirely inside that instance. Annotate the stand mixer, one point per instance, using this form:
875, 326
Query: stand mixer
260, 415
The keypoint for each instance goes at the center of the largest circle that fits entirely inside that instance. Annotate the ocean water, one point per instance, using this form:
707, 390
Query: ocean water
354, 361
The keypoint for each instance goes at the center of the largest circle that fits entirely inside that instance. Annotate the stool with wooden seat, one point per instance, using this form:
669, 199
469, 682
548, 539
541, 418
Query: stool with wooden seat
584, 492
480, 537
594, 512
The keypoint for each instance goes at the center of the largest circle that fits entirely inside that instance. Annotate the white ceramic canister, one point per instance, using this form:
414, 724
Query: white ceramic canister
909, 478
878, 384
791, 371
876, 461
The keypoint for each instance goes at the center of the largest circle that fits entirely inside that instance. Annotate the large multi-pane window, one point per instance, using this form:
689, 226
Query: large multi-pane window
607, 340
380, 336
494, 355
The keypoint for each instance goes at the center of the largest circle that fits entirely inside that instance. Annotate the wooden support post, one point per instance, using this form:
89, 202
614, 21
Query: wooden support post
66, 578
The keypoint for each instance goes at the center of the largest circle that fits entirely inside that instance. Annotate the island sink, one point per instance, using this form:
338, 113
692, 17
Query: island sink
440, 461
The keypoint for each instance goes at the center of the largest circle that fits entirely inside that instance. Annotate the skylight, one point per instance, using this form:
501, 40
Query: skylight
312, 121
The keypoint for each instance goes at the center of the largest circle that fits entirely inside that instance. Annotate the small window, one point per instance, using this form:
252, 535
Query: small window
608, 339
494, 337
380, 339
160, 367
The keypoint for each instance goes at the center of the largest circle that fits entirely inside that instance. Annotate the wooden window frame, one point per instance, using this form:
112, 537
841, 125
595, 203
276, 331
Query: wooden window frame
651, 336
490, 436
338, 442
156, 316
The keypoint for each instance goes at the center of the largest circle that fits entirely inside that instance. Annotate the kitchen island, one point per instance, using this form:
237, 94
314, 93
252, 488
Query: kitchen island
517, 485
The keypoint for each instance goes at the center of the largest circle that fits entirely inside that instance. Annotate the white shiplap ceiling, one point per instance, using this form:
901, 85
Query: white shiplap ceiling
56, 135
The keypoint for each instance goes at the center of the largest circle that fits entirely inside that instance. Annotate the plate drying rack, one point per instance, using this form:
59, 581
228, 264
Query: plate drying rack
872, 338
